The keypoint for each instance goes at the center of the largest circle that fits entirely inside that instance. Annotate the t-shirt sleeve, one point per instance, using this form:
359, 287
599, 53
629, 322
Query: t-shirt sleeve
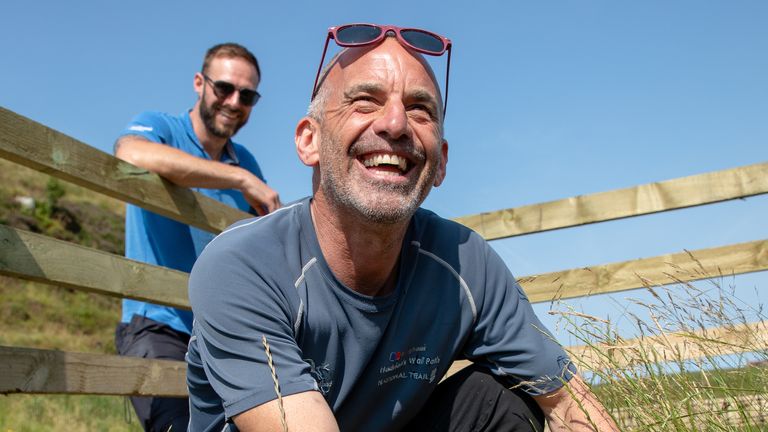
151, 125
234, 306
510, 340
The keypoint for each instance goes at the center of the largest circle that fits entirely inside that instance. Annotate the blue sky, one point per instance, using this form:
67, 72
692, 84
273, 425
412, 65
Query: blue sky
547, 100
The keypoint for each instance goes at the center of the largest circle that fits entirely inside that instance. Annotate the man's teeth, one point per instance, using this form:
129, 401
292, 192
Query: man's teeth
384, 159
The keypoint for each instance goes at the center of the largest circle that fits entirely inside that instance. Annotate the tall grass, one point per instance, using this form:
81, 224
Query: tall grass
697, 361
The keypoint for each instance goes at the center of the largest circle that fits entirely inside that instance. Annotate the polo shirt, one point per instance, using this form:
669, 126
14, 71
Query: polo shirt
161, 241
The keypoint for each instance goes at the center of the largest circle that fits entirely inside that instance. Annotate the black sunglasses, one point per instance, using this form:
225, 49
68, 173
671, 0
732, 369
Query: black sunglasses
360, 34
223, 89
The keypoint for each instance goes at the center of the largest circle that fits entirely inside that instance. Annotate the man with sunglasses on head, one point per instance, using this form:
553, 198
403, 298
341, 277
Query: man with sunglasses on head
354, 314
193, 150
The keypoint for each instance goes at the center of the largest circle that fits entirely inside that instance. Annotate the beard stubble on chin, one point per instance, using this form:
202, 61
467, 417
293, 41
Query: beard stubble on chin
380, 203
208, 116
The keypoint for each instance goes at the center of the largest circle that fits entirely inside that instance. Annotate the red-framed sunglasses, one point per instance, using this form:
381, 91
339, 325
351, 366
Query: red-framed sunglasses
361, 34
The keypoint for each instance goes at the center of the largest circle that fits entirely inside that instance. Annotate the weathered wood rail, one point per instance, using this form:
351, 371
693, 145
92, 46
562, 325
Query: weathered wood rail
37, 258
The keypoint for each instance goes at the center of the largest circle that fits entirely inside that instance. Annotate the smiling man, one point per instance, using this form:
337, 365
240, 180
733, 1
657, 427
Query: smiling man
364, 300
194, 150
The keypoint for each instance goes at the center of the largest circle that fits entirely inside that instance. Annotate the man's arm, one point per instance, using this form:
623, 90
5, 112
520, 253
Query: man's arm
186, 170
305, 411
574, 407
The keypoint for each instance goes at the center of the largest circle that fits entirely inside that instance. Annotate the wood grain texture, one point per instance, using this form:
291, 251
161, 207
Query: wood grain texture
39, 258
666, 347
679, 346
661, 270
649, 198
27, 370
36, 146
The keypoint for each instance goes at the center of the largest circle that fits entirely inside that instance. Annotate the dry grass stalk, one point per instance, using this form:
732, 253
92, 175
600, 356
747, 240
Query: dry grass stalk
277, 383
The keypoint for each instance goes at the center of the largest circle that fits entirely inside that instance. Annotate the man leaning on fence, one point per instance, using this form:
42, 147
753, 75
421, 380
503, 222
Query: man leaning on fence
195, 150
353, 315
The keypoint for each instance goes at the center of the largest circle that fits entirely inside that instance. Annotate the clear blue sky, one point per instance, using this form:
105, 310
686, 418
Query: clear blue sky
547, 100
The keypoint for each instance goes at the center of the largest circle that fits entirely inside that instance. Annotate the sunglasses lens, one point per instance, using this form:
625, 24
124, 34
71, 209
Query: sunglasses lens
223, 88
249, 97
357, 34
426, 42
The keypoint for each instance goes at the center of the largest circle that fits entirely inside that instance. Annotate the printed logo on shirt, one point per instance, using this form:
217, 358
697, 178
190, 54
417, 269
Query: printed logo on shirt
139, 128
322, 374
413, 364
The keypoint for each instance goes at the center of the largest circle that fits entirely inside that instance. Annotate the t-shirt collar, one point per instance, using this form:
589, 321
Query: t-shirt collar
228, 156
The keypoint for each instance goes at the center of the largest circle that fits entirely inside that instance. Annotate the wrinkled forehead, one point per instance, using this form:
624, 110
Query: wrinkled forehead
388, 56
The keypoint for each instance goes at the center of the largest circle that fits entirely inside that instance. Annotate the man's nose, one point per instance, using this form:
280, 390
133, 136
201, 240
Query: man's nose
393, 121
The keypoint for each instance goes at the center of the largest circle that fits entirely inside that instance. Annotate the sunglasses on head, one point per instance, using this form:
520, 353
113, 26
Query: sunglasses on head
223, 89
357, 35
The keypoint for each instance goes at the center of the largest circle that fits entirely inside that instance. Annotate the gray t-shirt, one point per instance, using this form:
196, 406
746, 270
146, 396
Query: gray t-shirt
375, 359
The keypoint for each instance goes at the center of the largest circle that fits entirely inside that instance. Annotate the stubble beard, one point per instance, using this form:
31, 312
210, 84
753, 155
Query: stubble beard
377, 202
208, 116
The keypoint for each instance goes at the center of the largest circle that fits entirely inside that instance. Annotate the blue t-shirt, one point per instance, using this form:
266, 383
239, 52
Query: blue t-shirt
376, 360
155, 239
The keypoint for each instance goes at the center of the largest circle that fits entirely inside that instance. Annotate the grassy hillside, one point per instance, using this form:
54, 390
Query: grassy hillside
42, 316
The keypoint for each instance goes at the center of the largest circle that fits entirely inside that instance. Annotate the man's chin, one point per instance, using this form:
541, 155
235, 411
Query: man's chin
386, 208
223, 131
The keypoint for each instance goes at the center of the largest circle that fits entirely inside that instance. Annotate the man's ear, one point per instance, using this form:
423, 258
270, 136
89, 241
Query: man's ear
197, 83
442, 167
307, 141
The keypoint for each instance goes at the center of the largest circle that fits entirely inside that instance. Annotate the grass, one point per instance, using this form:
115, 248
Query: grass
656, 383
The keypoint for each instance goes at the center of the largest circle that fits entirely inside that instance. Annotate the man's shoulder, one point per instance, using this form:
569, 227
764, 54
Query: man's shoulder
431, 227
149, 119
270, 234
157, 126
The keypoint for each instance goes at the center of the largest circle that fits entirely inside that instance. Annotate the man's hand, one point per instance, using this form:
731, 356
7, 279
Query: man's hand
575, 408
187, 170
261, 197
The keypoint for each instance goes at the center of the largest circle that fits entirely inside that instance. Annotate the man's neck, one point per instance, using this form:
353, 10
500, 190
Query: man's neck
212, 145
362, 255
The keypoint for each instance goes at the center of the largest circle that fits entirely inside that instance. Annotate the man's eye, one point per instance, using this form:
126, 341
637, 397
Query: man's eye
365, 103
364, 99
421, 108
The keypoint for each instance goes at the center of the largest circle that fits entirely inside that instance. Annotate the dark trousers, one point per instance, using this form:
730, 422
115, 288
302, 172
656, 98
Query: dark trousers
474, 400
146, 338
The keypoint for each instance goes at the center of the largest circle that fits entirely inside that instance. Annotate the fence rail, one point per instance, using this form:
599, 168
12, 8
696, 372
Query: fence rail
677, 346
38, 258
640, 200
36, 146
26, 370
42, 259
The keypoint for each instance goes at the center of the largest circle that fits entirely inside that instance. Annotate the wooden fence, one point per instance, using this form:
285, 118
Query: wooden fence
33, 257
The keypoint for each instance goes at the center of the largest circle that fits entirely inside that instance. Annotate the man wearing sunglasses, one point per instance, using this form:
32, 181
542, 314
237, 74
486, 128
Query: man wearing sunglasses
193, 150
352, 317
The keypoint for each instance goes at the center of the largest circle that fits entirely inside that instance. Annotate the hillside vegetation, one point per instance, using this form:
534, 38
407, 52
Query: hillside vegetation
42, 316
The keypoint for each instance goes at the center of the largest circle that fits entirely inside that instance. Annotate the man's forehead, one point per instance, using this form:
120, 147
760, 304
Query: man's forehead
229, 65
387, 57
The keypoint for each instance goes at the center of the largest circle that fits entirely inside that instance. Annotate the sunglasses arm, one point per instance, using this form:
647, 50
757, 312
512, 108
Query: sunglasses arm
320, 68
447, 72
